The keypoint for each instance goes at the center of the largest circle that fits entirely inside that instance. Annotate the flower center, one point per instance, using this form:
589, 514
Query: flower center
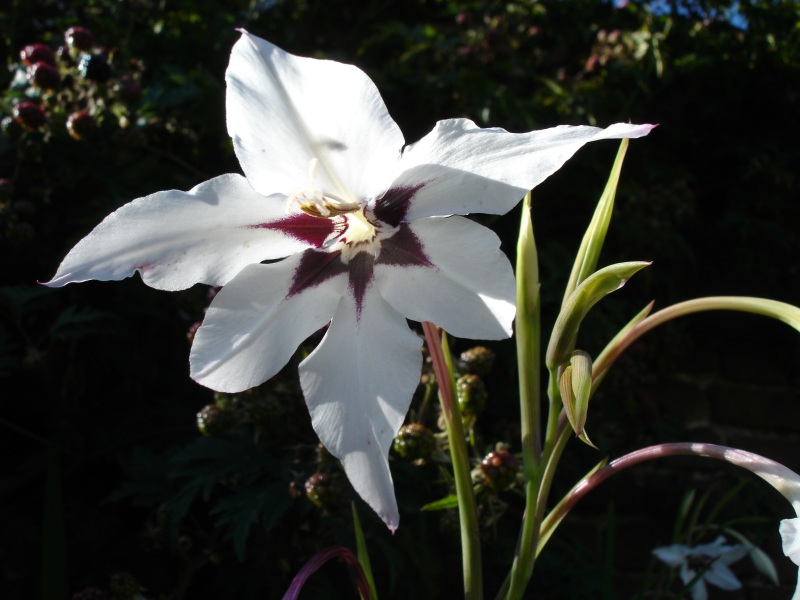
360, 235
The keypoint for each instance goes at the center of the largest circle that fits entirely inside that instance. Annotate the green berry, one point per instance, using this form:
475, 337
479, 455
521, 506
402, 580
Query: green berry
322, 490
214, 421
478, 360
472, 396
124, 586
415, 442
500, 469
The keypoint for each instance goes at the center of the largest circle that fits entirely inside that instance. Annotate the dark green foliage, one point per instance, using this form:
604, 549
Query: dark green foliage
97, 373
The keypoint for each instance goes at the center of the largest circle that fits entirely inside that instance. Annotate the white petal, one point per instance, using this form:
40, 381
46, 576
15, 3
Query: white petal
673, 555
176, 239
284, 110
469, 291
468, 169
358, 385
790, 535
699, 590
252, 328
721, 576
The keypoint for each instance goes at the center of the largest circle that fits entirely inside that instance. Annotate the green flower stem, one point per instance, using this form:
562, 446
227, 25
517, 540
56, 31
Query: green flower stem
467, 511
528, 334
770, 308
558, 434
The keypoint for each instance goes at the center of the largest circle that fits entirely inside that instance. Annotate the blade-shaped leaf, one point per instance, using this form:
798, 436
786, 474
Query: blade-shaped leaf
592, 243
586, 295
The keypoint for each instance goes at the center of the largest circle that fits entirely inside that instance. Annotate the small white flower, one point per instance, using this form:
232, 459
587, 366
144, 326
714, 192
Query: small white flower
359, 232
706, 563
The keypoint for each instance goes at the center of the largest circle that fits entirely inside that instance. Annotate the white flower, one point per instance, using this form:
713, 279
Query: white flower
706, 563
366, 235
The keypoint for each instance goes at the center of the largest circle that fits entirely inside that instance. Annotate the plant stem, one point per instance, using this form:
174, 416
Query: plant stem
528, 334
467, 511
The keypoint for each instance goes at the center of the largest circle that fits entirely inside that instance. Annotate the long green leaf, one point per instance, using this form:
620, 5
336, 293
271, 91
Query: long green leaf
592, 243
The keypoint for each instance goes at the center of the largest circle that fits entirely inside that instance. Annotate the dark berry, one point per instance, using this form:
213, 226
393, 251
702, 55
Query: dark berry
321, 489
500, 469
90, 593
95, 67
29, 115
34, 53
44, 75
478, 360
415, 442
81, 125
128, 90
213, 421
6, 189
471, 395
11, 128
79, 38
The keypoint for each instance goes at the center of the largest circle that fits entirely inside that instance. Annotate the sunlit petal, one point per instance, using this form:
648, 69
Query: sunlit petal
176, 239
468, 289
358, 385
284, 110
467, 169
253, 326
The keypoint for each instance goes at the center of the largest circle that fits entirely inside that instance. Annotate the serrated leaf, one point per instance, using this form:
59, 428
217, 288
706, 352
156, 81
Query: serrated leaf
238, 512
450, 501
77, 322
19, 299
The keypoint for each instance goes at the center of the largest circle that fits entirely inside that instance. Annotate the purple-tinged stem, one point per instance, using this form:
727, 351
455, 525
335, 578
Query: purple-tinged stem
319, 559
467, 510
783, 479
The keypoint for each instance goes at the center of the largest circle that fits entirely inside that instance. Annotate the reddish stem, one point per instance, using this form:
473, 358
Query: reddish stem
319, 559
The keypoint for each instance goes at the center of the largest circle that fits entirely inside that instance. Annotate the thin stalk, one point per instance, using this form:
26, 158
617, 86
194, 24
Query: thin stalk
528, 339
467, 511
786, 481
770, 308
